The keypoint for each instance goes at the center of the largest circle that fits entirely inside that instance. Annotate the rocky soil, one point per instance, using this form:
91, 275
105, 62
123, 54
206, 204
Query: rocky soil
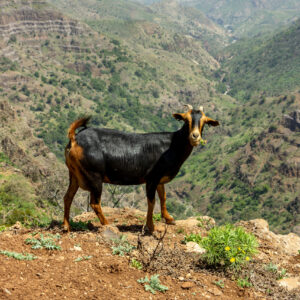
85, 267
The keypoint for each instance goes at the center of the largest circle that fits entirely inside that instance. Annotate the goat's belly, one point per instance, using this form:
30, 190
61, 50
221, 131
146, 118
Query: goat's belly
124, 177
123, 181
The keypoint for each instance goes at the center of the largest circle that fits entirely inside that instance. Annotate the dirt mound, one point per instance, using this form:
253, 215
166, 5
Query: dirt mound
82, 264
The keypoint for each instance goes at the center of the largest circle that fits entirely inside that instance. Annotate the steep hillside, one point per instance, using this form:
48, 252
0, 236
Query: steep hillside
130, 67
165, 25
54, 69
269, 64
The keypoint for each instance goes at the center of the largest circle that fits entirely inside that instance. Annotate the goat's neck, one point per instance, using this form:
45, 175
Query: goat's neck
181, 143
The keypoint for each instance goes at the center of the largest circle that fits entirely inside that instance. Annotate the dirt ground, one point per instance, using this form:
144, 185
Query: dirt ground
56, 274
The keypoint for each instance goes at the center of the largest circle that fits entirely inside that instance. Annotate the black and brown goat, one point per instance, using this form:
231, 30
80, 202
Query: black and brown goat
96, 155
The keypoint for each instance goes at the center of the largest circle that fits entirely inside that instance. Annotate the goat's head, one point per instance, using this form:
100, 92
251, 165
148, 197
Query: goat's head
195, 119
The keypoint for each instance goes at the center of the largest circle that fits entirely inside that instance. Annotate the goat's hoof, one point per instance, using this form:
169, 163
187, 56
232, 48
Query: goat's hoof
170, 222
66, 228
149, 229
105, 222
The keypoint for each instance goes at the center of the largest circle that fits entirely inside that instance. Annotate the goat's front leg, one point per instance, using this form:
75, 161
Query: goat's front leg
68, 198
162, 197
150, 191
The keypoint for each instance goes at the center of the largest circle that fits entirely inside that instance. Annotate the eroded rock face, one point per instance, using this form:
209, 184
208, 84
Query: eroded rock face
287, 244
292, 121
28, 20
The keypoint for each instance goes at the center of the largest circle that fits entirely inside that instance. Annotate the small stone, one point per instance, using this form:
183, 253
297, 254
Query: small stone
7, 291
187, 285
194, 247
181, 278
77, 248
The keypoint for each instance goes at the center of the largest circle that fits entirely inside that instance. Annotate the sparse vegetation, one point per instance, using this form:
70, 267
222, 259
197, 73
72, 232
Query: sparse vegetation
18, 256
280, 273
122, 246
244, 282
219, 283
42, 242
81, 258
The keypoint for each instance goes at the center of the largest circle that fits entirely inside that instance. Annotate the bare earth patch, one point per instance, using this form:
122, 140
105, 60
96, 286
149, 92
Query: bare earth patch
85, 267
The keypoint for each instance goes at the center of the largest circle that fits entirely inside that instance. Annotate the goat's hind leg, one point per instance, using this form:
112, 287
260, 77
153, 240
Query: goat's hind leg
68, 198
96, 203
162, 197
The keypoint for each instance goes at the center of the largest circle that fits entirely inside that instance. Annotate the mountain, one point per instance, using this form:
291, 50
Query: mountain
269, 64
248, 18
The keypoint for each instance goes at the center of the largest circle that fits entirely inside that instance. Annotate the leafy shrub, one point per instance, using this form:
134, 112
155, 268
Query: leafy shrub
80, 226
154, 284
18, 203
228, 246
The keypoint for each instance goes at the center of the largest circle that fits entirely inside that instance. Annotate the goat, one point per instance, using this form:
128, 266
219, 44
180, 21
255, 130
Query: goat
97, 155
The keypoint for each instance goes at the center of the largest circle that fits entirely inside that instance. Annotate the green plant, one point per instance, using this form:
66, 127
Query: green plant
122, 246
228, 246
44, 242
156, 217
180, 230
136, 264
193, 237
80, 225
219, 283
18, 256
243, 282
154, 284
81, 258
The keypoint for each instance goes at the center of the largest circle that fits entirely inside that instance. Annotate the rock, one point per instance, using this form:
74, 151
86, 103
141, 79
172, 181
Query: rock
187, 285
194, 247
16, 226
7, 291
292, 121
77, 248
287, 244
110, 233
195, 221
181, 278
215, 291
290, 283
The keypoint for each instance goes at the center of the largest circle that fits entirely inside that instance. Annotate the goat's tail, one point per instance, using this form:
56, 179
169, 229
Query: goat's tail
78, 123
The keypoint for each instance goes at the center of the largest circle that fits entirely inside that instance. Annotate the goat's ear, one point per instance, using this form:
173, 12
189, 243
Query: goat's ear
179, 117
212, 122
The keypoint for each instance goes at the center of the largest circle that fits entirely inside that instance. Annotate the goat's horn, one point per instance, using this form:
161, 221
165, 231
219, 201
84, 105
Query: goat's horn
200, 108
189, 106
